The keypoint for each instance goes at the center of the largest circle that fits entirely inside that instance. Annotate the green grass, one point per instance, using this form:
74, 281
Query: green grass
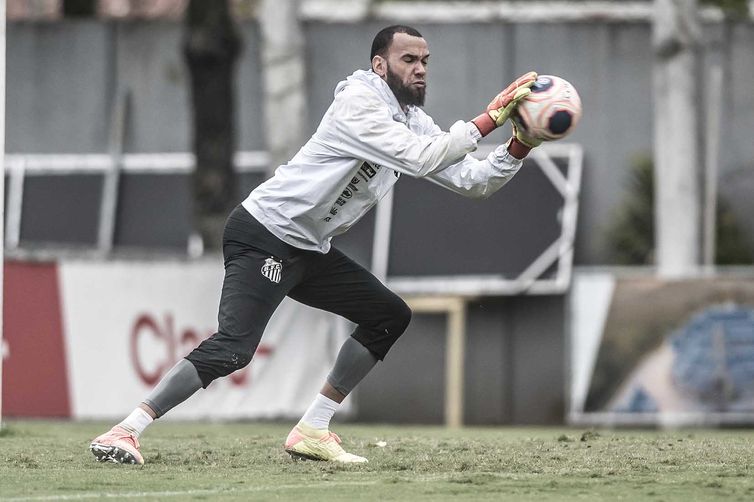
50, 461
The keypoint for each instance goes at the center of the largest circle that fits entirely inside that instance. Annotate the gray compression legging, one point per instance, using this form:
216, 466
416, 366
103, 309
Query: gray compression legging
352, 365
182, 381
176, 386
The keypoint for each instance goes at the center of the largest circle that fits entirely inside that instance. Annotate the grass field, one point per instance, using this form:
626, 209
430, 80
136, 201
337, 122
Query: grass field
50, 461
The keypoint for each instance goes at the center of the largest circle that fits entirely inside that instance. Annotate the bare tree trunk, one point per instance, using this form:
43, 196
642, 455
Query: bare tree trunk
73, 8
676, 138
211, 48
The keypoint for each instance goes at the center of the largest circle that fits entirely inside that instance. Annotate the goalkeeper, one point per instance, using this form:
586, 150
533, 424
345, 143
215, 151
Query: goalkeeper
277, 242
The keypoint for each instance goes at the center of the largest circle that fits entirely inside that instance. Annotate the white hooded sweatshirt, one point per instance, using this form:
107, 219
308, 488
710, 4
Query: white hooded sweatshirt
362, 145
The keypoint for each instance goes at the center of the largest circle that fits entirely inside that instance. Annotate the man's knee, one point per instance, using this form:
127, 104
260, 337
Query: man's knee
380, 337
219, 356
401, 315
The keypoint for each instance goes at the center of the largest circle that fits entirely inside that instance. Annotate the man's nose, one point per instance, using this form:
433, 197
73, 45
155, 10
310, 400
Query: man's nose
420, 70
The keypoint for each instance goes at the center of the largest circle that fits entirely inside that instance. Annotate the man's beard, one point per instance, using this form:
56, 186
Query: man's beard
405, 95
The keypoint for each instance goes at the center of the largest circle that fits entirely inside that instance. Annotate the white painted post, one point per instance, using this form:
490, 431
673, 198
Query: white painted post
455, 357
2, 195
455, 350
284, 73
711, 163
109, 205
676, 161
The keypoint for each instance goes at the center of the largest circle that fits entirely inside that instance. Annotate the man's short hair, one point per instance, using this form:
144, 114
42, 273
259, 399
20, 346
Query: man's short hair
384, 38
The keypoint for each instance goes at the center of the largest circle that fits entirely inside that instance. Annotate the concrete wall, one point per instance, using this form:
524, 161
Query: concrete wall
514, 374
63, 77
63, 82
58, 87
737, 148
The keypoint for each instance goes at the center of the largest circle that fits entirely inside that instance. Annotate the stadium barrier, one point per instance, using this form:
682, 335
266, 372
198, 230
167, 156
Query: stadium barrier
90, 339
648, 351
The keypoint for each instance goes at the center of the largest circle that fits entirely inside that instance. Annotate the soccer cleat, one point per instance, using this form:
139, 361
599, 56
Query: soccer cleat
117, 445
308, 443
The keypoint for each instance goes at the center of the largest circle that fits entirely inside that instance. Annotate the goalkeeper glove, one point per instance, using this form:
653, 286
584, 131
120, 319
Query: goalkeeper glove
520, 143
525, 139
501, 107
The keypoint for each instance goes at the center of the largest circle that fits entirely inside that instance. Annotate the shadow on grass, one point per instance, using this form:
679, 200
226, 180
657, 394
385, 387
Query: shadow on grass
7, 432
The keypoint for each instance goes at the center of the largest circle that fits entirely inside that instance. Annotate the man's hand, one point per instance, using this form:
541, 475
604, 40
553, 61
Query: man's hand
525, 139
500, 108
521, 144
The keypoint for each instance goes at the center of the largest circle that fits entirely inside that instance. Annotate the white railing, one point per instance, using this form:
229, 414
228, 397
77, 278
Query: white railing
559, 253
19, 166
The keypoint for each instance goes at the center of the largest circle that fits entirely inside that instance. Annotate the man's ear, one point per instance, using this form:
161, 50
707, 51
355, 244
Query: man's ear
379, 66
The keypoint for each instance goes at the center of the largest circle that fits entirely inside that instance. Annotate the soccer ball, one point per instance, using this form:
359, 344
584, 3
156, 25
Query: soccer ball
551, 111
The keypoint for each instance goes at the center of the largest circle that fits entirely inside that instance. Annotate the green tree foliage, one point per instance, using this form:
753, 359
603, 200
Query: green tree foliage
631, 234
733, 8
630, 237
732, 247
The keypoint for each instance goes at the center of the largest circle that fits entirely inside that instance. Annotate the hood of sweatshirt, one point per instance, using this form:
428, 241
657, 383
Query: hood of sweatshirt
379, 86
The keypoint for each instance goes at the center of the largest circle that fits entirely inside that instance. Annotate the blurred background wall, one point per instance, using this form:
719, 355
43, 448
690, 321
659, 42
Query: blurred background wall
65, 76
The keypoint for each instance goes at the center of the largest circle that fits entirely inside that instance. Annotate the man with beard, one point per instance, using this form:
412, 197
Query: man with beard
277, 242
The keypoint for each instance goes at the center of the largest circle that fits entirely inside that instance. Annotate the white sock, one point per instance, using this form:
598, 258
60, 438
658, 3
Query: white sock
137, 421
320, 412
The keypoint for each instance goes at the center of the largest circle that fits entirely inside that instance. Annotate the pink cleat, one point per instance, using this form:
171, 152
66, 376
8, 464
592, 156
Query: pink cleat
117, 445
307, 443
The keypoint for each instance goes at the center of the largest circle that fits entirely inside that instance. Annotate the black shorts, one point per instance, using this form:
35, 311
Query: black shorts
261, 270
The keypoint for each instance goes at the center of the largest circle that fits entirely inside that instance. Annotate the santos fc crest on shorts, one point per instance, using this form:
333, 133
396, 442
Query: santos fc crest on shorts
273, 270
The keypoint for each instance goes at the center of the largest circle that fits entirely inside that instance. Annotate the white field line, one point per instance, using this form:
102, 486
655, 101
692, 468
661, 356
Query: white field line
184, 493
232, 491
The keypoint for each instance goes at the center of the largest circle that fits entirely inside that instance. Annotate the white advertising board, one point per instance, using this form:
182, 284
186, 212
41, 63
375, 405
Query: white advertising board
126, 323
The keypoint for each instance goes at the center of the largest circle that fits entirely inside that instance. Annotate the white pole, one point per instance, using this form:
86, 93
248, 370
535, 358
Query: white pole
676, 164
109, 203
455, 351
2, 193
284, 69
714, 107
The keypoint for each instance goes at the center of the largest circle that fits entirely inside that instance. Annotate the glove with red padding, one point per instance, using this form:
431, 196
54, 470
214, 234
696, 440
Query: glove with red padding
521, 144
500, 108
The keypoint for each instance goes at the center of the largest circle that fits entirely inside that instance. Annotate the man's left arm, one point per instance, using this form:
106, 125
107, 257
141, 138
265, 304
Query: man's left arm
479, 179
475, 178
